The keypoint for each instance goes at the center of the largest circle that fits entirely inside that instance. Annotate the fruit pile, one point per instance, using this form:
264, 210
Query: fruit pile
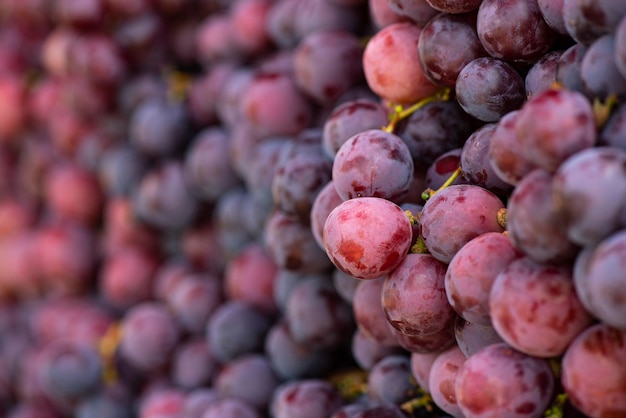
312, 208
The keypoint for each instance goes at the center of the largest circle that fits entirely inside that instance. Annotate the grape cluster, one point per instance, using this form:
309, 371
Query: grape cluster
312, 208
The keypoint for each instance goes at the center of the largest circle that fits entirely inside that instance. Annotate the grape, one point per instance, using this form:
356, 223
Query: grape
600, 282
476, 166
197, 400
620, 47
311, 398
319, 15
367, 351
250, 276
455, 6
121, 169
472, 271
317, 316
418, 11
442, 378
230, 96
420, 277
234, 380
363, 255
443, 168
249, 19
558, 135
350, 118
259, 172
552, 12
106, 403
230, 408
588, 217
325, 201
373, 163
193, 365
500, 381
598, 69
421, 363
345, 285
193, 299
150, 336
327, 64
236, 328
514, 31
474, 210
587, 20
392, 65
207, 168
274, 105
592, 371
292, 360
472, 337
386, 411
369, 313
534, 225
542, 75
535, 309
431, 343
447, 43
158, 128
382, 14
286, 281
291, 245
569, 68
389, 381
434, 129
488, 88
300, 174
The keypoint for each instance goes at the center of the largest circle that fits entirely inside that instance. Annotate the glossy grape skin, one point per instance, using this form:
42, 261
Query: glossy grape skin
599, 72
593, 372
472, 271
442, 168
357, 230
567, 126
369, 313
442, 378
309, 397
588, 217
389, 380
391, 64
472, 337
514, 31
505, 151
587, 20
431, 343
350, 118
600, 281
488, 88
373, 163
499, 381
476, 166
535, 308
447, 43
552, 12
543, 73
534, 225
474, 213
420, 277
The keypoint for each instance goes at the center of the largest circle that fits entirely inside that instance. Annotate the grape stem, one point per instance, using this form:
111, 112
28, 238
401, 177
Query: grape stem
400, 113
107, 347
428, 193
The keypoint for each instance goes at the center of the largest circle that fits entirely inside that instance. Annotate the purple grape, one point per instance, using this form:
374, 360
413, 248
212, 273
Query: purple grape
472, 271
593, 371
599, 72
327, 63
317, 316
578, 187
325, 201
455, 6
613, 134
500, 381
193, 365
569, 67
420, 277
369, 313
447, 43
600, 281
345, 285
587, 20
471, 337
311, 398
362, 255
620, 47
553, 125
389, 381
552, 12
474, 210
444, 166
488, 88
373, 163
230, 408
418, 11
367, 351
535, 308
421, 363
442, 379
534, 225
514, 31
543, 73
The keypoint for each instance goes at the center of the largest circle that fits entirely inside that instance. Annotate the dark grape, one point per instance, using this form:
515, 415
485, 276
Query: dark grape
312, 398
389, 381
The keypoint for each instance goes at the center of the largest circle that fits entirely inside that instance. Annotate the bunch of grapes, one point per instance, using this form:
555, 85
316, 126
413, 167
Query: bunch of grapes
312, 208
